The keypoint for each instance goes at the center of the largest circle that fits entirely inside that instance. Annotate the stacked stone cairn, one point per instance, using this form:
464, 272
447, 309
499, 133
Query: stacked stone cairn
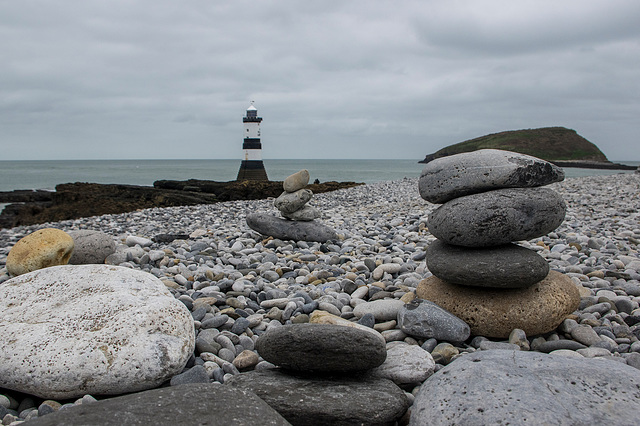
491, 199
323, 366
299, 218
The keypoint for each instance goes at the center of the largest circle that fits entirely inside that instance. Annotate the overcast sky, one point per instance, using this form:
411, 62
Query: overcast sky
123, 79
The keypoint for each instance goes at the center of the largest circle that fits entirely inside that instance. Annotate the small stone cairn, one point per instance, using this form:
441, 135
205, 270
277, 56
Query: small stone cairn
491, 199
298, 221
320, 368
292, 203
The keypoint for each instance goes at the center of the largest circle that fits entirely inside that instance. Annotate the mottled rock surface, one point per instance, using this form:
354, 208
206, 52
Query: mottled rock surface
495, 312
497, 217
91, 247
495, 387
483, 170
40, 249
288, 229
67, 331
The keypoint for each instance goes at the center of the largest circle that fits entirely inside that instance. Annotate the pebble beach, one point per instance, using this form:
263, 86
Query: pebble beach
261, 283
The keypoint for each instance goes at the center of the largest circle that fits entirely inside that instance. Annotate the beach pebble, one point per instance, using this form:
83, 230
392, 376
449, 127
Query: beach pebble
446, 178
305, 214
425, 319
382, 310
91, 247
289, 202
506, 215
40, 249
99, 329
405, 364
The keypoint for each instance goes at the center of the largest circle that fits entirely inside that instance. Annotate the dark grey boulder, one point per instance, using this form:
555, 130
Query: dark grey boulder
425, 319
518, 387
497, 217
321, 347
91, 247
326, 400
289, 229
506, 266
194, 404
468, 173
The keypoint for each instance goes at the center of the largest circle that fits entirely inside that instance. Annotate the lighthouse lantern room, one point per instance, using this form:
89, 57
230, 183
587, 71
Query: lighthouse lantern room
252, 167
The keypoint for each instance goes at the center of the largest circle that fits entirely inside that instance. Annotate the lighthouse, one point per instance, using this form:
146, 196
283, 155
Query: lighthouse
252, 167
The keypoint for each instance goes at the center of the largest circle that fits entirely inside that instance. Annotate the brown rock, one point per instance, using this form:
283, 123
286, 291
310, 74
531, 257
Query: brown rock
495, 312
40, 249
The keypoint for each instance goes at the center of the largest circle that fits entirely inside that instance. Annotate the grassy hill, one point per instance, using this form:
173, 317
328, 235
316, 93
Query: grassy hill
549, 143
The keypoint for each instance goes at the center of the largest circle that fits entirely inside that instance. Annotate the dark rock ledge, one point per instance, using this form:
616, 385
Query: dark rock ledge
80, 199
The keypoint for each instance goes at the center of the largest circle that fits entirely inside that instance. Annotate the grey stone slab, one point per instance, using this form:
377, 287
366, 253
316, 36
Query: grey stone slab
483, 170
195, 404
514, 387
425, 319
290, 230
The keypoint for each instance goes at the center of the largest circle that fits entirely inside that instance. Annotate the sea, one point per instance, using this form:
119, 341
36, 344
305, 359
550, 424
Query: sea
45, 174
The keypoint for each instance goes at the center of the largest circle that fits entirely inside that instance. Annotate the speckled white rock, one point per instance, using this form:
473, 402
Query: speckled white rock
67, 331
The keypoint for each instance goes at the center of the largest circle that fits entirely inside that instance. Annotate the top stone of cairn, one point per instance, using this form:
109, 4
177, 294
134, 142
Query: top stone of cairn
468, 173
296, 181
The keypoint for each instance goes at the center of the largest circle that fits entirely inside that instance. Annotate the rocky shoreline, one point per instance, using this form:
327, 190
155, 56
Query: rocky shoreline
206, 252
81, 199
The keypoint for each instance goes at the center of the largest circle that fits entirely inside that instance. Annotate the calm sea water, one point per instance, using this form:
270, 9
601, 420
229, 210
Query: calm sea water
47, 174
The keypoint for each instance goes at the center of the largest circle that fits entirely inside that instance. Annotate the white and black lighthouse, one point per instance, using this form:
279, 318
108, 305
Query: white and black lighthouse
252, 167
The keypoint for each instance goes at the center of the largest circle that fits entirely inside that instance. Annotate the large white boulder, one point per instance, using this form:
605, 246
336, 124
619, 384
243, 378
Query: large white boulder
67, 331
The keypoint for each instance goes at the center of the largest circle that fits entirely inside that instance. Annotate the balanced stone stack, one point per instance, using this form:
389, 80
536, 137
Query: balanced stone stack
299, 217
322, 376
491, 199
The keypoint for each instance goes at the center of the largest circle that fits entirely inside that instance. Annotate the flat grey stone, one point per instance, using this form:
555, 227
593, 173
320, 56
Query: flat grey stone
195, 404
446, 178
306, 213
290, 230
554, 345
91, 247
422, 318
289, 202
321, 347
506, 266
326, 400
518, 387
497, 217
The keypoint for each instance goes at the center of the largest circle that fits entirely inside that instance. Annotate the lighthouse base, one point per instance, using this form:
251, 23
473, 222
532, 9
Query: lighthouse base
252, 170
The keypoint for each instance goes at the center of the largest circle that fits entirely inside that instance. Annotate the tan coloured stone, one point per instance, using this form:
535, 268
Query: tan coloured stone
296, 181
322, 317
495, 312
40, 249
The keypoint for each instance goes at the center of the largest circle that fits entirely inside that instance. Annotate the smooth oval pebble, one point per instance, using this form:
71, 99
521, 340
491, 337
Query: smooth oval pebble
296, 181
321, 347
446, 178
497, 217
506, 266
